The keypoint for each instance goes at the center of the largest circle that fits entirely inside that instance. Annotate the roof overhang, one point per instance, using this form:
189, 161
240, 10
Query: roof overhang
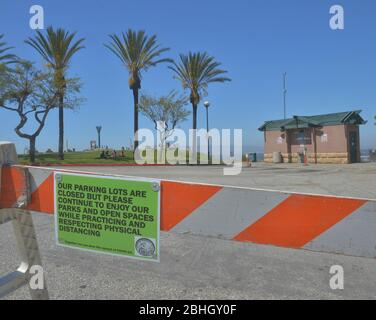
301, 122
354, 117
296, 123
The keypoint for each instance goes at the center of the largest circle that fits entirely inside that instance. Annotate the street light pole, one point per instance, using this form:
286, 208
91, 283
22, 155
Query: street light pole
99, 129
284, 94
207, 105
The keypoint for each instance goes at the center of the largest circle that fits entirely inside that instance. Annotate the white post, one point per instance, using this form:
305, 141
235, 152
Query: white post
8, 154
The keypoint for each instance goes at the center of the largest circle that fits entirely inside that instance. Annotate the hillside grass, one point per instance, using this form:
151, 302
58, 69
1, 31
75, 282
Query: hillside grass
84, 157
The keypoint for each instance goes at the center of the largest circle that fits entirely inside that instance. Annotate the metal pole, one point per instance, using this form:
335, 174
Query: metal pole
207, 105
99, 129
207, 129
284, 94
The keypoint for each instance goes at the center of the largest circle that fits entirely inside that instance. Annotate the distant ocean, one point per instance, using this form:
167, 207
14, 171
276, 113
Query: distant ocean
246, 150
365, 155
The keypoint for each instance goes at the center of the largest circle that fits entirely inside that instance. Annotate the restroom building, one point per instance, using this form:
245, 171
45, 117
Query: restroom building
328, 138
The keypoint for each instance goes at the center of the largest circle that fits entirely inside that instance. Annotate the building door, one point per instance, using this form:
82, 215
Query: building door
353, 147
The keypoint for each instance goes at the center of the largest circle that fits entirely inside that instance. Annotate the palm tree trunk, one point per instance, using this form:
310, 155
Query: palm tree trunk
194, 127
135, 125
61, 127
32, 150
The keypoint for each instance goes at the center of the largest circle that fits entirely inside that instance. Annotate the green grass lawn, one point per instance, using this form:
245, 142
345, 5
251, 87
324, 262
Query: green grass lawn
89, 157
86, 157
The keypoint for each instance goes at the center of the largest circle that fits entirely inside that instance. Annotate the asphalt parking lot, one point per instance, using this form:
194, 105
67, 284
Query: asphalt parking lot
191, 267
354, 180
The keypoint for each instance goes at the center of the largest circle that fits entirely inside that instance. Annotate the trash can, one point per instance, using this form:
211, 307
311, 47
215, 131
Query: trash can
277, 157
253, 157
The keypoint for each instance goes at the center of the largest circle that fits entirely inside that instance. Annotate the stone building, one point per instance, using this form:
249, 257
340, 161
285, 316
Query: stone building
329, 138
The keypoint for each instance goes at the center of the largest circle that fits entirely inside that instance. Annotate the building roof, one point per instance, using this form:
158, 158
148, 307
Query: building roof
300, 122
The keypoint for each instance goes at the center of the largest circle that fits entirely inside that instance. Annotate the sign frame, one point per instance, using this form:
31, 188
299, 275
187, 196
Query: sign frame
115, 177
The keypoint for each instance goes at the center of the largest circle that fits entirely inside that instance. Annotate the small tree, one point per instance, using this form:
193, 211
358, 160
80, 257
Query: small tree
166, 112
32, 93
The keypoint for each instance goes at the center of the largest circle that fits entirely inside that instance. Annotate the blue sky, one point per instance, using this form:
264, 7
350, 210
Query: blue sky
256, 40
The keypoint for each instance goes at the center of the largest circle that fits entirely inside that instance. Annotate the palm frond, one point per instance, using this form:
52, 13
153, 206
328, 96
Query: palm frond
6, 58
137, 52
56, 47
196, 71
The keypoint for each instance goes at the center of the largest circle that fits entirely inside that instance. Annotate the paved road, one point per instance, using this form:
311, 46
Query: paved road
191, 268
355, 180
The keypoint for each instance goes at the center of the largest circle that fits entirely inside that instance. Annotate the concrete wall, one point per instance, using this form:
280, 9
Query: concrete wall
331, 139
275, 141
332, 145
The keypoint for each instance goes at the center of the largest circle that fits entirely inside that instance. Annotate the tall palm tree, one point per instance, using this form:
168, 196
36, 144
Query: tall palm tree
57, 49
138, 53
196, 71
5, 57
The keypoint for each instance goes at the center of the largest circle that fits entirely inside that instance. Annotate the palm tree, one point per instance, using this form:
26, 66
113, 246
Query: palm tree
138, 53
196, 71
5, 58
57, 49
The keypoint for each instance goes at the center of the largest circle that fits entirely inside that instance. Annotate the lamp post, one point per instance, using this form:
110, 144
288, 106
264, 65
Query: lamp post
99, 129
207, 105
284, 94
